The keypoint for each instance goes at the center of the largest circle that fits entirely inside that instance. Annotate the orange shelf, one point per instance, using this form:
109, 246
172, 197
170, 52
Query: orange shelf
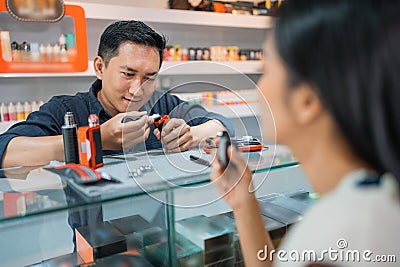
80, 64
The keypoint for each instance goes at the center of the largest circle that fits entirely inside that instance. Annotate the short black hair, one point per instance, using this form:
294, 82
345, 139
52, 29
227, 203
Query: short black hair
128, 31
348, 52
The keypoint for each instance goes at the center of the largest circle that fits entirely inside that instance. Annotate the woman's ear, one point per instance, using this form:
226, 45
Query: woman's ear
305, 103
98, 65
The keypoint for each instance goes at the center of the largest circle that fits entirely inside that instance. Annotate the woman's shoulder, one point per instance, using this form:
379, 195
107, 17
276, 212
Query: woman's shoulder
350, 217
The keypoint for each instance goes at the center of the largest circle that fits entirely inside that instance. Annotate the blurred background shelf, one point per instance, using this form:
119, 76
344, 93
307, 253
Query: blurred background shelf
170, 16
168, 68
236, 111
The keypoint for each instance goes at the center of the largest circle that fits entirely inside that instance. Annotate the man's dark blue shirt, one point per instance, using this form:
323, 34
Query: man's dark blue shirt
48, 121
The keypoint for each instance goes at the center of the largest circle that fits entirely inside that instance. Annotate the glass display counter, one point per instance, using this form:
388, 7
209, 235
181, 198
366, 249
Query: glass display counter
47, 218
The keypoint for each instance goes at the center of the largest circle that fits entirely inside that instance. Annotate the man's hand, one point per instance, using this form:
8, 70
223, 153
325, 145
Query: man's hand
176, 135
116, 135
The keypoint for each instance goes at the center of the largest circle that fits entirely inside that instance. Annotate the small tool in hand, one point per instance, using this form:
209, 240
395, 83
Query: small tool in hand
200, 160
129, 118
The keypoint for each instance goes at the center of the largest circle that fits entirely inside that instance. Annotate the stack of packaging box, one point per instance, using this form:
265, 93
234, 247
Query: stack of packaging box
186, 252
280, 212
275, 228
135, 229
216, 241
199, 241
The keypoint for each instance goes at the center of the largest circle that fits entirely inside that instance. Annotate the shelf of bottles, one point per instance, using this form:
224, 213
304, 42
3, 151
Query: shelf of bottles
37, 47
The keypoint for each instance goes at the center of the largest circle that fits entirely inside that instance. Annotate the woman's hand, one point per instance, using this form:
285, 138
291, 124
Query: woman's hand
235, 182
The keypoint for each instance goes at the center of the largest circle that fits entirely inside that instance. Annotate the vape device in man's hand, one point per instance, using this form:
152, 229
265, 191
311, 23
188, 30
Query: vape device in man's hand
69, 133
160, 120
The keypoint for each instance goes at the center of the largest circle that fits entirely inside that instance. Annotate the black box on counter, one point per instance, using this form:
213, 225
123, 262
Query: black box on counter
279, 213
120, 260
71, 259
226, 221
215, 240
187, 254
298, 201
98, 241
135, 229
276, 230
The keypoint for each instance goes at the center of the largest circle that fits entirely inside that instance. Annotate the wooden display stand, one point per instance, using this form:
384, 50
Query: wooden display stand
80, 63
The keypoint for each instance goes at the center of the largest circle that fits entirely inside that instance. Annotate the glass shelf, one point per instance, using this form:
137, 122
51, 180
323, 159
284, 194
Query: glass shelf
168, 68
37, 185
34, 197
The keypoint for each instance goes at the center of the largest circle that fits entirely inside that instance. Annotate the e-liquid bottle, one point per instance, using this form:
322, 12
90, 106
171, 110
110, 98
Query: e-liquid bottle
5, 44
71, 47
35, 106
12, 113
192, 53
4, 112
69, 132
20, 111
26, 51
15, 51
49, 53
35, 52
62, 41
27, 109
42, 53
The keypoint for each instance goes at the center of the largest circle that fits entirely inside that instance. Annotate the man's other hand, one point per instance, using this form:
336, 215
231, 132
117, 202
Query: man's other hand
117, 135
176, 135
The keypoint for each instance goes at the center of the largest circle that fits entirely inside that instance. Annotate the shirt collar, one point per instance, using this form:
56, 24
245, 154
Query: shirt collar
351, 181
95, 106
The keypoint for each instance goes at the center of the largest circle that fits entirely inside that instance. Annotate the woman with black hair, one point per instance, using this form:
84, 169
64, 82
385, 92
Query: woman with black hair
331, 78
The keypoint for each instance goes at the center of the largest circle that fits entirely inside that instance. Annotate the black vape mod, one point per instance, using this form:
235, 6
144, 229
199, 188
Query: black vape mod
69, 132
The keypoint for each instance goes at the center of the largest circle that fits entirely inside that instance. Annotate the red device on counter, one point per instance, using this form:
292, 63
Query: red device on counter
244, 144
80, 174
89, 142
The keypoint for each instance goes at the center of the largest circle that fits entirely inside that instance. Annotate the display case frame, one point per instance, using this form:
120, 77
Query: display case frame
57, 204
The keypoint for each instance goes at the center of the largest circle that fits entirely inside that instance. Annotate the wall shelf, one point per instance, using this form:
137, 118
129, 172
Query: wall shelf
168, 68
210, 67
186, 28
172, 16
236, 111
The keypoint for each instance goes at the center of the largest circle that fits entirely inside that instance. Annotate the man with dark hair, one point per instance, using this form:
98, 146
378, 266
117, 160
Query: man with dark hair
129, 58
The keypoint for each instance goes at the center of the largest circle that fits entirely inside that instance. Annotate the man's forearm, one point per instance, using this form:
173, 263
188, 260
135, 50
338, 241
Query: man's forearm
207, 129
33, 151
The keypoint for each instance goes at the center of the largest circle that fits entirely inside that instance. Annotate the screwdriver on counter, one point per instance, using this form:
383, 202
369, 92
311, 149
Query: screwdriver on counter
199, 160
